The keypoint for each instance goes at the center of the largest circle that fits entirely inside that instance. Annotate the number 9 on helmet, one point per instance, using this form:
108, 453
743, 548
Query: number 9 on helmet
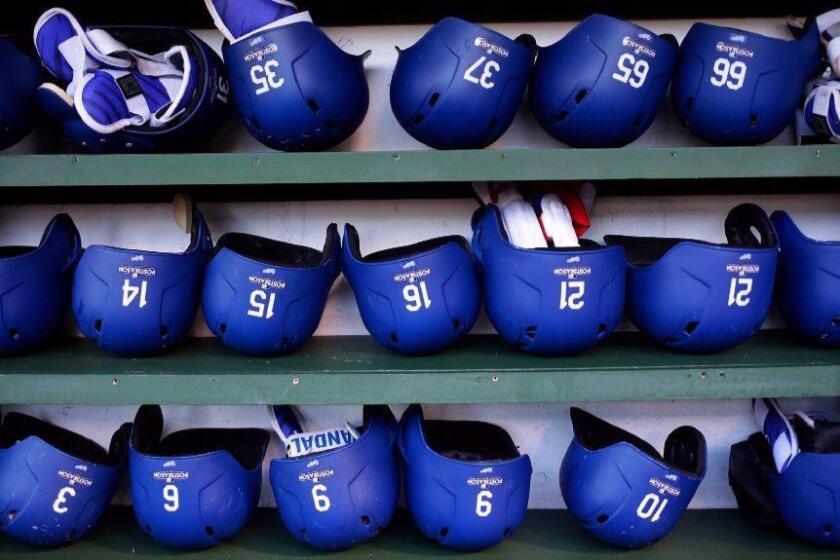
466, 484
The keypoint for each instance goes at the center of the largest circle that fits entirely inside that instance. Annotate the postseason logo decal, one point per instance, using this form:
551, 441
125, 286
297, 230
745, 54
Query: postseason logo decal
491, 48
265, 282
638, 47
486, 478
169, 476
316, 476
262, 52
136, 268
664, 487
734, 51
744, 267
411, 274
74, 478
573, 269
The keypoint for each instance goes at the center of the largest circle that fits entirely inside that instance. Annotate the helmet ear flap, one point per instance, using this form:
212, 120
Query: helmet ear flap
750, 466
671, 39
748, 225
147, 429
685, 449
530, 43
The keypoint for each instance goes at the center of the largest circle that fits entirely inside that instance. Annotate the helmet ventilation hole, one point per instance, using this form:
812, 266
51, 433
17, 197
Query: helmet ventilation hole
753, 120
419, 118
209, 530
827, 529
581, 95
97, 326
603, 518
15, 334
434, 99
314, 106
394, 338
444, 532
691, 327
223, 328
365, 520
164, 331
531, 332
457, 324
561, 116
836, 321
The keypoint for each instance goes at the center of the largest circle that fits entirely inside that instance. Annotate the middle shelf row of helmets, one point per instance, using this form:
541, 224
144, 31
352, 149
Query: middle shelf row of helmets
466, 483
458, 87
545, 290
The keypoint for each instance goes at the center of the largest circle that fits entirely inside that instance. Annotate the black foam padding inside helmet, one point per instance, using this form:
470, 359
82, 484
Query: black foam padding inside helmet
278, 253
823, 437
17, 427
747, 227
246, 445
750, 468
685, 447
469, 441
399, 253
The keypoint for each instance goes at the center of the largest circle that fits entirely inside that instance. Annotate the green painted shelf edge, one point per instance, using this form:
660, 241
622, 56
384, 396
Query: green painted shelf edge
700, 535
426, 166
482, 369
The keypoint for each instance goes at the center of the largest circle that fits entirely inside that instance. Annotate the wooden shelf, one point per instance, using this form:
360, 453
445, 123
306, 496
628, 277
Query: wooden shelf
237, 169
354, 370
545, 535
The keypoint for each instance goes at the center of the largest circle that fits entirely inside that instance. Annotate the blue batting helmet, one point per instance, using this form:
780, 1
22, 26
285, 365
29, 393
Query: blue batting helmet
139, 303
548, 301
35, 285
55, 484
194, 488
733, 87
602, 84
21, 76
696, 296
266, 297
620, 489
466, 484
461, 84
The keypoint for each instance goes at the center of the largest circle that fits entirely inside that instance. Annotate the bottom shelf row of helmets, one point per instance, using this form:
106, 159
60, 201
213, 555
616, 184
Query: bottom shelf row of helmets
466, 483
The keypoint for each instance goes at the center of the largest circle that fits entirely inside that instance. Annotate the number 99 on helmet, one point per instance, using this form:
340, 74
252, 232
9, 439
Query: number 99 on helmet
733, 87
